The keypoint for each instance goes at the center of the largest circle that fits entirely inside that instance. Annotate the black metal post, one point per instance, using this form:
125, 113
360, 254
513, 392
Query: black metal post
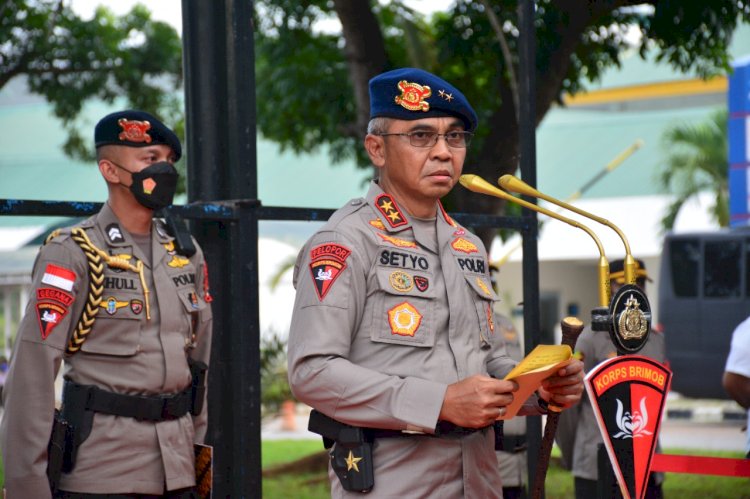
527, 146
221, 133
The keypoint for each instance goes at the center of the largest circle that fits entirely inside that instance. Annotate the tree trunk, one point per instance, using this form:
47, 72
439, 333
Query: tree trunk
365, 52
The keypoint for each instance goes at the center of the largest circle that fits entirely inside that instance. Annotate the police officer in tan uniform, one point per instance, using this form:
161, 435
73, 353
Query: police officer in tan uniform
512, 458
392, 336
579, 435
126, 314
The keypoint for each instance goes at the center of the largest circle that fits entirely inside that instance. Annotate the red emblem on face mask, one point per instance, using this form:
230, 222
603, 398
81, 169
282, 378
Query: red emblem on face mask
134, 130
148, 185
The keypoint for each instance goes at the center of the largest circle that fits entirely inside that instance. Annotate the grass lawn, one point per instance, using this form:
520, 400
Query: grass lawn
559, 483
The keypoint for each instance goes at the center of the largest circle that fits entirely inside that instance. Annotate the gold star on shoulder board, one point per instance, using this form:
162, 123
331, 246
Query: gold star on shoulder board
351, 462
394, 216
386, 205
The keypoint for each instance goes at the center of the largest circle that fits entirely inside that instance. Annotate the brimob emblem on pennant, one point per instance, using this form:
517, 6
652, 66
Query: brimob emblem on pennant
464, 245
327, 262
134, 130
404, 319
413, 96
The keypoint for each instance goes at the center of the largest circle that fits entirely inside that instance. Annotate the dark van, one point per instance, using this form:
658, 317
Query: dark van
704, 293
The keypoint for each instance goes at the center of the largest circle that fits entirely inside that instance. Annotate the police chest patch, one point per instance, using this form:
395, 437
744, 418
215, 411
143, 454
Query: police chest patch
114, 233
49, 316
404, 319
47, 294
136, 306
401, 281
327, 262
421, 283
400, 243
111, 305
464, 245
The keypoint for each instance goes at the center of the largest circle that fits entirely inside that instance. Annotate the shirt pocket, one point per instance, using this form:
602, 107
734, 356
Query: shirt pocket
117, 327
403, 308
484, 299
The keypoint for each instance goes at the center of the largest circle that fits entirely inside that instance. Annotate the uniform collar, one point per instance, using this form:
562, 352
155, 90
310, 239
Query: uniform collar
393, 217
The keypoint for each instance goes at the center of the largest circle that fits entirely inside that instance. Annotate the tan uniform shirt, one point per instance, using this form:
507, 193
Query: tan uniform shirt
512, 462
387, 315
124, 353
595, 347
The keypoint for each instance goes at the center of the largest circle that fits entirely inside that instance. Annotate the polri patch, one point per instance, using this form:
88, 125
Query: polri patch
60, 277
327, 262
390, 210
49, 316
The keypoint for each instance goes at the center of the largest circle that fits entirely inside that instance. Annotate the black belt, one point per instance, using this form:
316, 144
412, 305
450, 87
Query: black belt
443, 429
514, 443
141, 407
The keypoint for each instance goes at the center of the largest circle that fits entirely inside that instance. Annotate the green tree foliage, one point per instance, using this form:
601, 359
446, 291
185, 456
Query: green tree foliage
697, 162
309, 80
132, 60
274, 386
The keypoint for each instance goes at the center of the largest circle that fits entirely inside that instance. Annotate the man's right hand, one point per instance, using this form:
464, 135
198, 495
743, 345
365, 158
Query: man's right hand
477, 401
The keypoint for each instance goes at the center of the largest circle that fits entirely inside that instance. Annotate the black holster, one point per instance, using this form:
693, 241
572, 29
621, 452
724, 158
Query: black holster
198, 371
350, 450
79, 422
59, 444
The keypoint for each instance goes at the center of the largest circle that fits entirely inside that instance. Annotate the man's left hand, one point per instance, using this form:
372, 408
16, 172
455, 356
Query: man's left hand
564, 389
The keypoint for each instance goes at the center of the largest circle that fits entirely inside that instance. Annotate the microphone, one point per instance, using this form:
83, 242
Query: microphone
514, 184
628, 317
477, 184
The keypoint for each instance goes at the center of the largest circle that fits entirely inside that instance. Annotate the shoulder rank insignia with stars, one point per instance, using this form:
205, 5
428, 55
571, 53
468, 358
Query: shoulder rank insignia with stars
390, 210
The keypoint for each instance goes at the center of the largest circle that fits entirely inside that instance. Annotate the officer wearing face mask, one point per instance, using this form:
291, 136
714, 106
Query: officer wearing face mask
126, 314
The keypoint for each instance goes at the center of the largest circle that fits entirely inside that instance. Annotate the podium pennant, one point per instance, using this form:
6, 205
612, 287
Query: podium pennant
628, 395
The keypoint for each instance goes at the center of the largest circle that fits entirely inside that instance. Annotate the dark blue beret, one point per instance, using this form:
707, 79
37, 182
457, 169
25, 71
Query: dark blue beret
135, 129
412, 94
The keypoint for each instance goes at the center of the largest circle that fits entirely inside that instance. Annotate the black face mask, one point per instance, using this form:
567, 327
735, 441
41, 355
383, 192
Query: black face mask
155, 185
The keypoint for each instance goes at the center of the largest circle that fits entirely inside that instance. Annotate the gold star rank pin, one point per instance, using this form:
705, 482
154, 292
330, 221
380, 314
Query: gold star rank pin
351, 462
388, 207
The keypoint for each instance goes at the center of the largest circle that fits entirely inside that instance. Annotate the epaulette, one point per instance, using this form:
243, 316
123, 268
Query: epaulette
352, 206
57, 234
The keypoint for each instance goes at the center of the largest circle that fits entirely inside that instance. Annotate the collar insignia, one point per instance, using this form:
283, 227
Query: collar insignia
413, 96
377, 223
448, 219
401, 243
404, 319
464, 245
390, 210
134, 130
483, 286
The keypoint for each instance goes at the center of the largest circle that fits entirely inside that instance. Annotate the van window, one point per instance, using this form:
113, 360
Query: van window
684, 258
722, 277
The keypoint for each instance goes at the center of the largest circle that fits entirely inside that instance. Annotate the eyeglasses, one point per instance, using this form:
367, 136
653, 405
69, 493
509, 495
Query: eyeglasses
421, 138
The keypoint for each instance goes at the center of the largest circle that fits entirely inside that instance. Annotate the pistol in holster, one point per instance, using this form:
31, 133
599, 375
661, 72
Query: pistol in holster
198, 371
350, 450
59, 442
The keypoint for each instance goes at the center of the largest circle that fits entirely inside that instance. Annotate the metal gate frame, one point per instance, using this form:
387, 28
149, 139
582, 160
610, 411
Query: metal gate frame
222, 173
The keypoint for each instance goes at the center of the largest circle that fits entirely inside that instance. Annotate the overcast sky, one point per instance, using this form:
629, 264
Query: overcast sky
170, 10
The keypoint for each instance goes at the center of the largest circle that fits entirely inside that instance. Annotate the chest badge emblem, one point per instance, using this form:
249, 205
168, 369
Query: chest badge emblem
404, 319
464, 246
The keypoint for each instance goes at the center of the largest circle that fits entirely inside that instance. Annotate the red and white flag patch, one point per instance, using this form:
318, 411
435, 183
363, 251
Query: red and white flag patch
60, 277
327, 261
